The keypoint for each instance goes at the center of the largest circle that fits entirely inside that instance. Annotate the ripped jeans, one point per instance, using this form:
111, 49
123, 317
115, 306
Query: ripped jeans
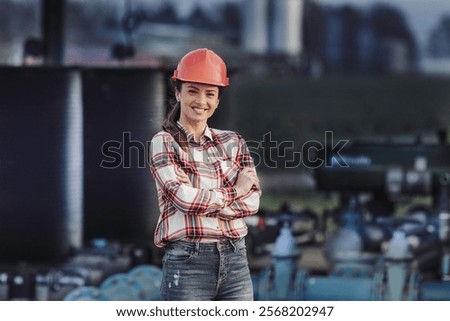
206, 271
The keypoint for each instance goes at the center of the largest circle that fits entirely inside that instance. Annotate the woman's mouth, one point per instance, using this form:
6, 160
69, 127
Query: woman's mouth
199, 110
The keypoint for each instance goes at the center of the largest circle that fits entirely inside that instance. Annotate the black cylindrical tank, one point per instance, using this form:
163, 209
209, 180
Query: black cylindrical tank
123, 109
40, 163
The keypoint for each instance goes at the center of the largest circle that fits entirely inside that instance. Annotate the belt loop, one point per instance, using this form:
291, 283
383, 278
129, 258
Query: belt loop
233, 244
197, 248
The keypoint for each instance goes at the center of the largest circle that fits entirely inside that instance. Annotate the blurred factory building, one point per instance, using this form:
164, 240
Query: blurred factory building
310, 36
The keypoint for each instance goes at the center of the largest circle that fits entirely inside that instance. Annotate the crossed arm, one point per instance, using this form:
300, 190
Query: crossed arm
247, 200
227, 203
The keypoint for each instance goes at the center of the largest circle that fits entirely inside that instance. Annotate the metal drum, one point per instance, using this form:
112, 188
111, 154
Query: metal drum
41, 167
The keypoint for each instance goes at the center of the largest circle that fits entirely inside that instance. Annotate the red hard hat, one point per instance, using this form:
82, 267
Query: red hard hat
202, 66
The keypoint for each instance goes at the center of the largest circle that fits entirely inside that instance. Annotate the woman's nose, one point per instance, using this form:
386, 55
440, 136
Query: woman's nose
201, 99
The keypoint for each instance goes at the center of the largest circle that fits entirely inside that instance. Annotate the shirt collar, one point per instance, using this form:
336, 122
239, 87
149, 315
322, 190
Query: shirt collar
206, 133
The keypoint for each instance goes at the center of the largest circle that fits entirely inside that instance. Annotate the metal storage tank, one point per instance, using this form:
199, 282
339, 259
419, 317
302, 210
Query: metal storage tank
40, 164
123, 109
287, 27
255, 26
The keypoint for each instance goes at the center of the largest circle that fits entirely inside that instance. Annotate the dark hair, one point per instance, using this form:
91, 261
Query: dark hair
170, 123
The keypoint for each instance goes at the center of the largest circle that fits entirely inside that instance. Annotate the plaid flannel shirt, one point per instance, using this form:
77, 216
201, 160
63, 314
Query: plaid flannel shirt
207, 211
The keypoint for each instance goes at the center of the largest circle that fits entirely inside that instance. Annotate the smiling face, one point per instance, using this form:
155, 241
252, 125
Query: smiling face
198, 102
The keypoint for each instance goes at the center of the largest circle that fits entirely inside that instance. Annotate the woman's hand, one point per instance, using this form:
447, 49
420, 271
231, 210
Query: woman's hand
246, 180
182, 177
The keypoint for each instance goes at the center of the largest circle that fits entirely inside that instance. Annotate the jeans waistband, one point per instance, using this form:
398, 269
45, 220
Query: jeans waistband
224, 245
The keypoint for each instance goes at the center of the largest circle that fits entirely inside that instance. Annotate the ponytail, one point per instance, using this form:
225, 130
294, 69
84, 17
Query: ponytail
170, 123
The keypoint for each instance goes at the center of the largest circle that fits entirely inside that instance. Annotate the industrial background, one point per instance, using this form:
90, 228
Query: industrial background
345, 106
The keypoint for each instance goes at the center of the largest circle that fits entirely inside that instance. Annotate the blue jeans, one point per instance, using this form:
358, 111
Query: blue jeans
206, 271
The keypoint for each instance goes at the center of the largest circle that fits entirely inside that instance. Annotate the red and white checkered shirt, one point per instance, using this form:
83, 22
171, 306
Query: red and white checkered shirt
207, 211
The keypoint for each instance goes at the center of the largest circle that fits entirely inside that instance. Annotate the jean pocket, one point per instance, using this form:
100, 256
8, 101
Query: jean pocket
178, 255
241, 249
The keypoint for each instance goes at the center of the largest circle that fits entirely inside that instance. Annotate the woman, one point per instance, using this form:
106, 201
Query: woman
206, 184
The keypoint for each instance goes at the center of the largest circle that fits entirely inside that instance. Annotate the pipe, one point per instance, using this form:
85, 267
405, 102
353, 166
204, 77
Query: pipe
435, 291
53, 31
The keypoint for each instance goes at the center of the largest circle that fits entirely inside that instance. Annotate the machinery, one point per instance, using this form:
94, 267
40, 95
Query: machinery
54, 206
373, 254
139, 284
355, 275
103, 271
